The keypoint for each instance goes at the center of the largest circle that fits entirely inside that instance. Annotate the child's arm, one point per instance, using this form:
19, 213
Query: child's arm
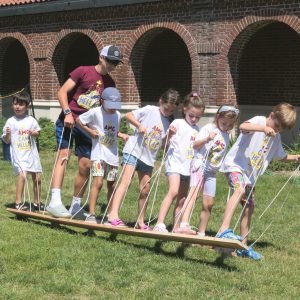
171, 131
94, 133
200, 143
249, 127
123, 136
7, 137
292, 158
130, 118
34, 133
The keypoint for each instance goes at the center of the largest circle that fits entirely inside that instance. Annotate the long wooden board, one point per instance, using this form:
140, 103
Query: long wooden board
182, 238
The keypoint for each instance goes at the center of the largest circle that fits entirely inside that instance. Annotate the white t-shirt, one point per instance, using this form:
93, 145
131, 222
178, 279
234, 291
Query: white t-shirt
23, 150
181, 151
216, 148
104, 147
157, 126
252, 152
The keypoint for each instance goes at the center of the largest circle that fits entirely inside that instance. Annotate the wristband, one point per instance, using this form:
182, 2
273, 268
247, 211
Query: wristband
67, 111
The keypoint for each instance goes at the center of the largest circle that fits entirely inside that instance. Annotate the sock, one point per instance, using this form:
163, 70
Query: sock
55, 198
202, 234
75, 205
183, 224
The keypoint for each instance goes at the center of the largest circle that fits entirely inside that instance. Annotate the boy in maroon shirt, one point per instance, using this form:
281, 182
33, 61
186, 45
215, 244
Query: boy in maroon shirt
78, 94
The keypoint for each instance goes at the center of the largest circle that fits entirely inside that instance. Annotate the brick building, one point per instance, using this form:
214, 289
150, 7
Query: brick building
244, 52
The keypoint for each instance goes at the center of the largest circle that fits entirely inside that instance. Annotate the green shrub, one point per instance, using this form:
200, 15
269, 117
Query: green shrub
47, 136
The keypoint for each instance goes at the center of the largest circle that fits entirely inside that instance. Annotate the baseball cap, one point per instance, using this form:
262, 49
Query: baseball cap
111, 98
112, 52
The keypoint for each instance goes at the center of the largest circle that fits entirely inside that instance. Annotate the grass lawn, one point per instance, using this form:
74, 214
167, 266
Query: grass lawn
41, 262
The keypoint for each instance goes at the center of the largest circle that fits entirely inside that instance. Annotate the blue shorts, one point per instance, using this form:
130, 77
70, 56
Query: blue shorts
139, 165
83, 142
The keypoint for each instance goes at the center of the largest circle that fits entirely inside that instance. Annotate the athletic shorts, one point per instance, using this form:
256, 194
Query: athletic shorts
139, 165
235, 181
183, 178
83, 142
206, 179
103, 169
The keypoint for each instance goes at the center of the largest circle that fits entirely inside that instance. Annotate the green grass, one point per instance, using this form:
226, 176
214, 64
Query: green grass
41, 262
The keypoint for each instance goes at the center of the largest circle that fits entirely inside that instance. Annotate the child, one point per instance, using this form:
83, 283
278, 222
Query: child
258, 143
140, 152
179, 157
211, 144
18, 131
102, 124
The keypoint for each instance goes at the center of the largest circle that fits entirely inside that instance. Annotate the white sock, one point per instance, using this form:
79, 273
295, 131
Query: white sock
202, 234
75, 205
183, 225
55, 198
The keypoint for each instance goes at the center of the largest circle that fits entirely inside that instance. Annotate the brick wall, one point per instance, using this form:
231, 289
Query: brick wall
230, 51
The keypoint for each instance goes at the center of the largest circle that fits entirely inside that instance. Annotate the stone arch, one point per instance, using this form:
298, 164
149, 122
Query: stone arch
135, 52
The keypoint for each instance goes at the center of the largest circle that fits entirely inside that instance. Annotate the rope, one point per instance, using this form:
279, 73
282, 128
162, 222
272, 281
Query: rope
9, 95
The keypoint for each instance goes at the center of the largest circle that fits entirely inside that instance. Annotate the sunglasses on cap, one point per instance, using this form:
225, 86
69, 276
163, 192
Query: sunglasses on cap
112, 62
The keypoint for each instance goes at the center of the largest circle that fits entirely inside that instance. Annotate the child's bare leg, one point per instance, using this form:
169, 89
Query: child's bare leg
207, 205
36, 179
95, 189
246, 222
189, 204
110, 185
182, 193
113, 211
80, 183
144, 179
174, 183
230, 208
20, 186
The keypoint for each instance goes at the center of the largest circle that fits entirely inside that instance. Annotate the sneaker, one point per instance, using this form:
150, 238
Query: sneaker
80, 214
21, 206
59, 211
38, 206
228, 234
74, 209
160, 227
91, 219
145, 227
250, 253
186, 229
201, 234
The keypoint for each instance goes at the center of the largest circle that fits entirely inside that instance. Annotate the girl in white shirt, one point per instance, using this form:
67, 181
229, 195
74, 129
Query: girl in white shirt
139, 153
211, 147
180, 154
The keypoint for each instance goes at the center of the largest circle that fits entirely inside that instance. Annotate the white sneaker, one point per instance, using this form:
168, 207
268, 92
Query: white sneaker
74, 208
160, 227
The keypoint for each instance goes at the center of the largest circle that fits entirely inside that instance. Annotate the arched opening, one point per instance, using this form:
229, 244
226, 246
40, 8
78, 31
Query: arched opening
265, 66
15, 71
74, 50
160, 60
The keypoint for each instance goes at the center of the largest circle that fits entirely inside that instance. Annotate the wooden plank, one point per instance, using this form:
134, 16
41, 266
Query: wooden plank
182, 238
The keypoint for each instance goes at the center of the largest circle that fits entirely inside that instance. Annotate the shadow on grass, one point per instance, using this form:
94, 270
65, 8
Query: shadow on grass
156, 249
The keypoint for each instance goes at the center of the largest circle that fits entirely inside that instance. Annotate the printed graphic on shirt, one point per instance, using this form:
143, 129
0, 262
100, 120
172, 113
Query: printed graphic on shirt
108, 137
23, 142
216, 152
190, 152
257, 158
153, 138
92, 97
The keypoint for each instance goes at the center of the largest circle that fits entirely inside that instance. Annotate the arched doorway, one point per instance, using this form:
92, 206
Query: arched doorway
74, 50
15, 71
264, 62
160, 60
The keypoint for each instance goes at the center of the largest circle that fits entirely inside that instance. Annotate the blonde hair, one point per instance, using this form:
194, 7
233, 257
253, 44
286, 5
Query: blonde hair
193, 99
286, 115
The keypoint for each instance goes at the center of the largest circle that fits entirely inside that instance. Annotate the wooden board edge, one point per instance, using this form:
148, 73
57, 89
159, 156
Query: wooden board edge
183, 238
